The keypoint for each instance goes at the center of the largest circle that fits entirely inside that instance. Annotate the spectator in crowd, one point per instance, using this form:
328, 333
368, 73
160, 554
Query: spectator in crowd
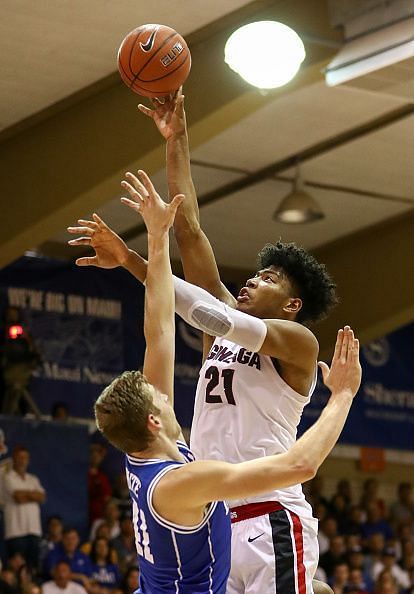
343, 488
23, 495
405, 539
386, 583
121, 496
339, 512
15, 562
68, 551
402, 510
60, 412
62, 582
130, 582
407, 559
8, 582
335, 555
53, 536
355, 559
373, 551
356, 580
111, 517
124, 545
370, 495
354, 520
328, 529
103, 531
99, 487
388, 562
104, 571
339, 578
351, 589
375, 523
25, 582
352, 540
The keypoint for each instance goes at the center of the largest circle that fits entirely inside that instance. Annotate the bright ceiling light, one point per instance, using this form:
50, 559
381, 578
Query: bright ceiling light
267, 54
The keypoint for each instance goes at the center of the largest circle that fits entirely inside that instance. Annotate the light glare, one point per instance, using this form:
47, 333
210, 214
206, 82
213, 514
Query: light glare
267, 54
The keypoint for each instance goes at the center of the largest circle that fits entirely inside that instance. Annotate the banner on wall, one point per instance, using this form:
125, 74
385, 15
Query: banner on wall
87, 325
382, 414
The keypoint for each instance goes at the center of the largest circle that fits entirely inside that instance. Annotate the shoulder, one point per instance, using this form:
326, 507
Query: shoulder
83, 556
10, 477
35, 480
290, 342
75, 588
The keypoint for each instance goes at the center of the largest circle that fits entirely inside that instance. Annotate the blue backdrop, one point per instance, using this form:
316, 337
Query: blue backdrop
87, 324
382, 414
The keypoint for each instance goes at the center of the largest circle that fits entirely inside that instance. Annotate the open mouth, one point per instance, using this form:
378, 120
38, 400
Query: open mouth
243, 296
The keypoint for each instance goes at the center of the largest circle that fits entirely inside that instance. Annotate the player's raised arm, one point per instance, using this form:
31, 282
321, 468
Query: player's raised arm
197, 255
159, 327
204, 481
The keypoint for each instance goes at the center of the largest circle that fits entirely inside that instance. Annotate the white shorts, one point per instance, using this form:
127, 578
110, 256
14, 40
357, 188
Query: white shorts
276, 552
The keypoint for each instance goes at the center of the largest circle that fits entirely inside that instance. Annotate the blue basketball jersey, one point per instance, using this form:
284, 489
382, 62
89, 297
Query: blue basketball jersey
176, 559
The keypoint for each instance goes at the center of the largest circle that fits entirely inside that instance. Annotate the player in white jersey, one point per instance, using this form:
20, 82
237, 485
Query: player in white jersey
242, 411
181, 532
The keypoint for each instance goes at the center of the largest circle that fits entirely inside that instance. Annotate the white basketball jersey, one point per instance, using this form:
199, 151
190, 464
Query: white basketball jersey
245, 410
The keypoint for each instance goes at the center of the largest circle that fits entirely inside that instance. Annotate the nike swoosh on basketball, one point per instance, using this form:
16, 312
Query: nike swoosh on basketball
256, 537
147, 47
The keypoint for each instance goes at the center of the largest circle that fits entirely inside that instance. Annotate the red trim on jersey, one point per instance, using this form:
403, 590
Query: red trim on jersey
253, 510
298, 536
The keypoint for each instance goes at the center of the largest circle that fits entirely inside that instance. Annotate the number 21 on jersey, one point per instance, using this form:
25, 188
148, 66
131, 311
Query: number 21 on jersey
213, 374
142, 542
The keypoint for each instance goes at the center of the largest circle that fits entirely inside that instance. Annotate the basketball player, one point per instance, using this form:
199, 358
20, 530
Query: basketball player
251, 406
182, 530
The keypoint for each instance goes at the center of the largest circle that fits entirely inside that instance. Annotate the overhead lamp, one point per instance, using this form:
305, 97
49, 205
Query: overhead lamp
267, 54
298, 206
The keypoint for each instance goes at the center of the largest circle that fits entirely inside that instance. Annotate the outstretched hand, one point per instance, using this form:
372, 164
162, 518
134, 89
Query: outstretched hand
110, 250
344, 374
158, 215
168, 114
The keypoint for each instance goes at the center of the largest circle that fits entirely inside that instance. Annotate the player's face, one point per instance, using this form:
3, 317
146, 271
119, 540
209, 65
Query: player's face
167, 415
265, 294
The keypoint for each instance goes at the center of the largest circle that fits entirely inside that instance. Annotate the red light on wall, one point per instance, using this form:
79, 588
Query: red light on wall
15, 331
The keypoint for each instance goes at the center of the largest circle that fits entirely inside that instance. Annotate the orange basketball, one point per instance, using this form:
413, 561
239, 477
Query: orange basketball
154, 60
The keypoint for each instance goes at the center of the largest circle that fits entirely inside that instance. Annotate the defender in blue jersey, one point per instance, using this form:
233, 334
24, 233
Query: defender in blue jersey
182, 528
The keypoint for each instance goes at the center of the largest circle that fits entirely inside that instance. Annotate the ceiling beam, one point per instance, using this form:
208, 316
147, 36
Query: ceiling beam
70, 163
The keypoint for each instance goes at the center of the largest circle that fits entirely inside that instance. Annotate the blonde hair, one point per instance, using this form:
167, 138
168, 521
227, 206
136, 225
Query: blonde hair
122, 410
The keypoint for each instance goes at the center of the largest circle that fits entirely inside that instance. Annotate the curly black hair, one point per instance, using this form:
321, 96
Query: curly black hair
311, 279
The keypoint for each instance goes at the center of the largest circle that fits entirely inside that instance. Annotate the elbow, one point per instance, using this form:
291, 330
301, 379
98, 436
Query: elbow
306, 470
311, 472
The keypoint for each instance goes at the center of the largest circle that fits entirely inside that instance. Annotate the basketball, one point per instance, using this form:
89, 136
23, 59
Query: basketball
154, 60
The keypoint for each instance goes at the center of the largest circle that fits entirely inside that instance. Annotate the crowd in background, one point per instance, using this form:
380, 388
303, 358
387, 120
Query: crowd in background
365, 546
